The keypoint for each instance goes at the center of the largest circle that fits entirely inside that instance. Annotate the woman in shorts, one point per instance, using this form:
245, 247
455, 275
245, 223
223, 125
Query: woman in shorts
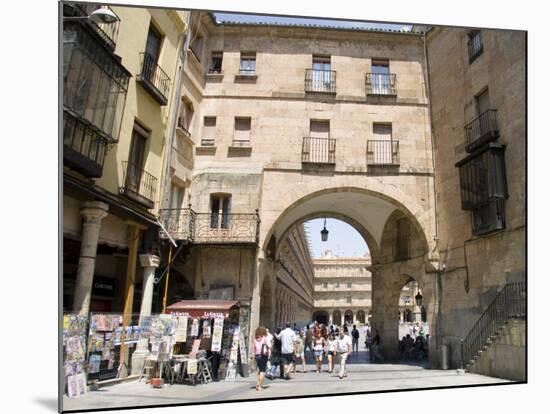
299, 351
331, 352
318, 349
261, 355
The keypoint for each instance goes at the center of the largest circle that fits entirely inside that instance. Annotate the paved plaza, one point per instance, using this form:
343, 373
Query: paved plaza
362, 377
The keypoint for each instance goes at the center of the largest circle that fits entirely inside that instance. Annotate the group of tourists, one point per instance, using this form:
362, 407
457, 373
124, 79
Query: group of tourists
286, 348
414, 345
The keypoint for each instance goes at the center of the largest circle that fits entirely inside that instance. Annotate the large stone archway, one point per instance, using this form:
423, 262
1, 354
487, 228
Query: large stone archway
373, 212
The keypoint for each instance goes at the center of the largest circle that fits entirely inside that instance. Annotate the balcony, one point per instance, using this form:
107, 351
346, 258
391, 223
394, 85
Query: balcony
380, 84
83, 146
318, 150
206, 228
382, 152
318, 80
153, 79
481, 130
139, 185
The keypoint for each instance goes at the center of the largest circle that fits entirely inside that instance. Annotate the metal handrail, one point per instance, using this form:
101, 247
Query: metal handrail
319, 150
139, 181
153, 73
485, 125
382, 152
320, 80
509, 303
380, 83
186, 224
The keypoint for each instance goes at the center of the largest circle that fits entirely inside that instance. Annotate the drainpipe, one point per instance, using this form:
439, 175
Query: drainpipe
175, 110
426, 64
438, 285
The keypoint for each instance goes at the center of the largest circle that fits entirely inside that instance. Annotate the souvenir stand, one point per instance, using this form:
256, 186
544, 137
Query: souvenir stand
104, 342
211, 333
74, 354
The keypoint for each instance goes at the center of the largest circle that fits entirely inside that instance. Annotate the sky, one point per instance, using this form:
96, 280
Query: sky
343, 239
294, 20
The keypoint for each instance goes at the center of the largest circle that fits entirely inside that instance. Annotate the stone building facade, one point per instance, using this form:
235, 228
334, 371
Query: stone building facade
265, 127
342, 289
119, 94
480, 137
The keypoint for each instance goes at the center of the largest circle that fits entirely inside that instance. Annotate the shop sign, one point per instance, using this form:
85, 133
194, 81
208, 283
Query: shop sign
104, 286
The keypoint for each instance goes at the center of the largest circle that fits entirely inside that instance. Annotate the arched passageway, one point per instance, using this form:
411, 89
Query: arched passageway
396, 238
321, 317
361, 316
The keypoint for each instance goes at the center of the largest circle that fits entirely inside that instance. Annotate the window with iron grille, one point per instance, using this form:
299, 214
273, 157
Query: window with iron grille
483, 188
348, 299
248, 63
325, 285
216, 62
475, 45
402, 238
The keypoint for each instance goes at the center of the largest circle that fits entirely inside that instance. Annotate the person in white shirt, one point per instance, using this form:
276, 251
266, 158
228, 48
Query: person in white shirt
287, 338
343, 348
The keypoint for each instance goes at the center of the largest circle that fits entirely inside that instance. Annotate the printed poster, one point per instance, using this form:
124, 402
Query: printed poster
93, 364
192, 366
180, 334
217, 335
195, 328
206, 329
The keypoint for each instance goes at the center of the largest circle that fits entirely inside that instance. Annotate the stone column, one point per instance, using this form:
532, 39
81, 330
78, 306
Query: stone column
149, 262
342, 317
92, 213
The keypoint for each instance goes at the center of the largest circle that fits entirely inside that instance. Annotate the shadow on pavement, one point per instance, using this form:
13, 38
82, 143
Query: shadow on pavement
49, 403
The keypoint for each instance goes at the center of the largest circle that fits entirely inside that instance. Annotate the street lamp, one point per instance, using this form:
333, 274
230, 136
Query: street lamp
418, 298
102, 15
324, 232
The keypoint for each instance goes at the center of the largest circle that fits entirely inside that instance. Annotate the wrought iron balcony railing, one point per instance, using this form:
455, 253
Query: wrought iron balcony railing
247, 72
509, 303
83, 146
481, 130
319, 150
244, 143
210, 228
381, 152
208, 142
318, 80
138, 184
154, 79
178, 222
380, 84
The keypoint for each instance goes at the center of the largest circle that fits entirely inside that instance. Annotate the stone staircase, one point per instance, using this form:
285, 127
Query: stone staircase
498, 335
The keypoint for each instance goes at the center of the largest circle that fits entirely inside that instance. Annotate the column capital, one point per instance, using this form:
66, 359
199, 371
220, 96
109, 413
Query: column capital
149, 260
94, 211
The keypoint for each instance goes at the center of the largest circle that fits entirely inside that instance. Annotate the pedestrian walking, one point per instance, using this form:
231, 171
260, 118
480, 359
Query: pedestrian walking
318, 349
343, 348
287, 337
331, 352
261, 355
299, 351
275, 358
355, 339
375, 354
308, 344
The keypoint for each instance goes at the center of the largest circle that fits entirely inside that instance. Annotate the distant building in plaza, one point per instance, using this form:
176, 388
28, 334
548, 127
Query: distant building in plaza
342, 289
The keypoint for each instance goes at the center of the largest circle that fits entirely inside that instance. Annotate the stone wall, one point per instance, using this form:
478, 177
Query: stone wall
474, 267
506, 356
